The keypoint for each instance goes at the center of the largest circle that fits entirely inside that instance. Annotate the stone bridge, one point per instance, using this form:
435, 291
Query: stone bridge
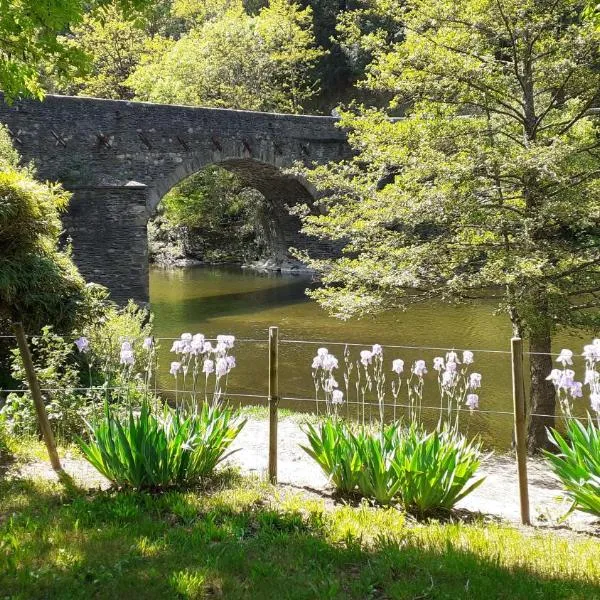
120, 158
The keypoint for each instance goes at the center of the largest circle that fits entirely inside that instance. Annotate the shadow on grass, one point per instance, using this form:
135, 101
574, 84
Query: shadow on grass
226, 540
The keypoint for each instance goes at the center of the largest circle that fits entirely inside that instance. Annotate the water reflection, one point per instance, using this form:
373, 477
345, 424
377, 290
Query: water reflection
245, 303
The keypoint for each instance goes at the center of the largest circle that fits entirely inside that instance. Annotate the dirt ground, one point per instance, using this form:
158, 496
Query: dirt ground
497, 498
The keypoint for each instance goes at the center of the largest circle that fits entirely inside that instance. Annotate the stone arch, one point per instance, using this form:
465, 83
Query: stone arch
281, 190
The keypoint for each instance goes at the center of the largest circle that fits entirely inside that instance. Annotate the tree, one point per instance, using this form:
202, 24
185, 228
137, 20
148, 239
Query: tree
210, 198
114, 46
215, 217
31, 35
490, 186
236, 60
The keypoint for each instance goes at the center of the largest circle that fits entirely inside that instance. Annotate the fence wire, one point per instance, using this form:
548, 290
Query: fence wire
316, 402
350, 344
298, 399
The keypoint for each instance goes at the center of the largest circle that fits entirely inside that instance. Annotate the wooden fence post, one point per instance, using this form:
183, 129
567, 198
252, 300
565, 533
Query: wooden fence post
520, 425
36, 394
273, 400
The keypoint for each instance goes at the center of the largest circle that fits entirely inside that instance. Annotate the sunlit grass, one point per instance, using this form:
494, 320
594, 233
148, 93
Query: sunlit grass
239, 537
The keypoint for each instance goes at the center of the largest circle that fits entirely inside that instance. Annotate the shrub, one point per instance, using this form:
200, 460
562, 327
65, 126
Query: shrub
424, 472
4, 441
333, 447
577, 464
59, 378
39, 284
434, 469
151, 450
64, 372
106, 333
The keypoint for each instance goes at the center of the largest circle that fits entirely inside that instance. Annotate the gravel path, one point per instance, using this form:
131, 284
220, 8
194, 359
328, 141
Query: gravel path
497, 497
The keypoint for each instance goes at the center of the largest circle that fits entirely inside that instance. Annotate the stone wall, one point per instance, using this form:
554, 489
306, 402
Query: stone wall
107, 228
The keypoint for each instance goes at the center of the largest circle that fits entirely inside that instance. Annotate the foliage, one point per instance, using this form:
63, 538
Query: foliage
106, 334
238, 538
30, 31
9, 157
212, 199
5, 450
64, 373
39, 284
59, 378
424, 472
236, 60
435, 470
332, 447
212, 216
577, 464
488, 187
368, 27
149, 450
113, 45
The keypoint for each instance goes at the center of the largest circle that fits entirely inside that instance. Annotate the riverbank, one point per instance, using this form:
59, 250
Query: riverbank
497, 499
174, 246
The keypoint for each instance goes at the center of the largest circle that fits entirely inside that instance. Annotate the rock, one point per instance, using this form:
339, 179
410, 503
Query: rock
281, 265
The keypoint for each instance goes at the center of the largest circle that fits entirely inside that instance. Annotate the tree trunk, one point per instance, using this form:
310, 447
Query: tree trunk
542, 395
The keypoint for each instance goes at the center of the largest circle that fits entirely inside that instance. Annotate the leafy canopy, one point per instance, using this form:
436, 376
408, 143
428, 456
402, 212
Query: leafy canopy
491, 180
235, 60
31, 35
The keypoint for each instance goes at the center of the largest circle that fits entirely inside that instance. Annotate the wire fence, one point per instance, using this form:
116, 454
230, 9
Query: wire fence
371, 392
307, 401
337, 343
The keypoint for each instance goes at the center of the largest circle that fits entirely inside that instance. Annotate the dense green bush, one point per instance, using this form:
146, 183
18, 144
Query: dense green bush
39, 284
424, 472
58, 375
4, 441
153, 449
577, 464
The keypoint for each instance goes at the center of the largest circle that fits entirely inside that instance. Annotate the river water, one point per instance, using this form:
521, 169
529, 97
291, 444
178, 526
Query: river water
242, 302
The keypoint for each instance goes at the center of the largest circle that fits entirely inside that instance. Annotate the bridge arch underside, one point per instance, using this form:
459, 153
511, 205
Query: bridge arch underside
108, 225
280, 190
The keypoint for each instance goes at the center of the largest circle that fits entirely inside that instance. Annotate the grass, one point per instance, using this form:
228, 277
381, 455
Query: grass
241, 538
262, 413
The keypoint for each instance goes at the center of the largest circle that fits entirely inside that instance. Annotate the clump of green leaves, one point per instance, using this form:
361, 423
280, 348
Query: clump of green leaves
158, 450
58, 375
332, 448
424, 472
31, 33
577, 464
435, 469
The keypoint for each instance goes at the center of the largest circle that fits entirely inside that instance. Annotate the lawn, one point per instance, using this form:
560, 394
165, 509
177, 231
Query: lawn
241, 538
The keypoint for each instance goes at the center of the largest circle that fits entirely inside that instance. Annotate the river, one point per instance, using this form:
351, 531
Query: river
242, 302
